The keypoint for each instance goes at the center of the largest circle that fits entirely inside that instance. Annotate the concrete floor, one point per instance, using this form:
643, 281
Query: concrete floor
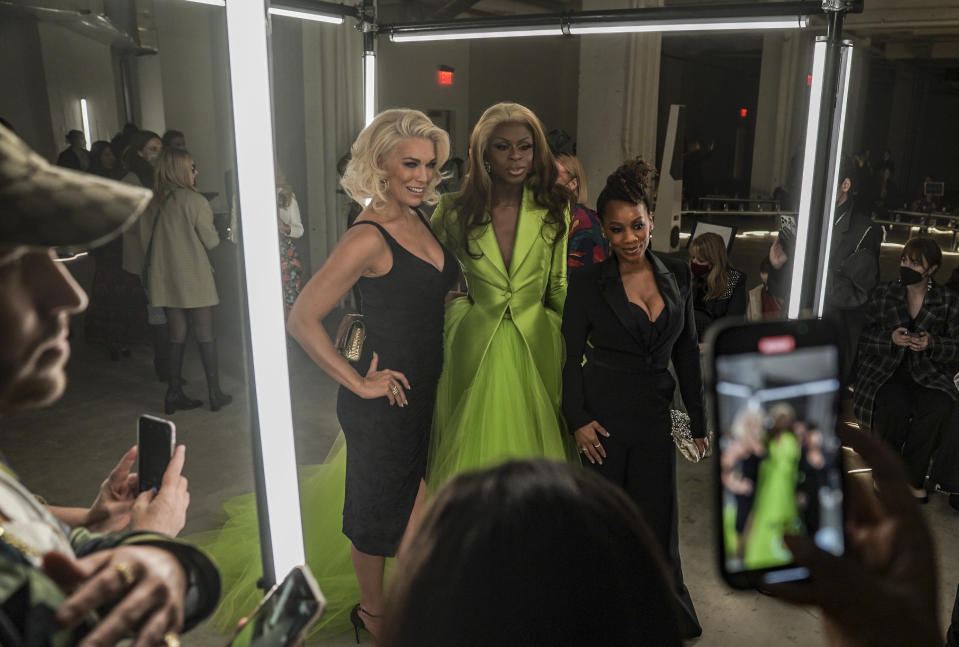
64, 451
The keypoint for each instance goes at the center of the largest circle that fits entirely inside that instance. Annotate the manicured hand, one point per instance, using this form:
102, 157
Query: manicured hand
900, 338
919, 343
587, 441
385, 383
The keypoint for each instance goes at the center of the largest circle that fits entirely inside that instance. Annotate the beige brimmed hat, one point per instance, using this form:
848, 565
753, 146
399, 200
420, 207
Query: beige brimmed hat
47, 206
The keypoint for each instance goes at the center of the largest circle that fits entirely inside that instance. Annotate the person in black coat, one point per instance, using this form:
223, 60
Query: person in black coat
719, 290
636, 310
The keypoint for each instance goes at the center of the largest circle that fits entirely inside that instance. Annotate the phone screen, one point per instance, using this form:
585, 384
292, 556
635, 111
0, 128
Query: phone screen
283, 616
155, 439
780, 458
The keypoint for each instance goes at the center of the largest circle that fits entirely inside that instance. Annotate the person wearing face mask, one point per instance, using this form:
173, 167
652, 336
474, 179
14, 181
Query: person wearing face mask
636, 310
719, 290
499, 395
908, 351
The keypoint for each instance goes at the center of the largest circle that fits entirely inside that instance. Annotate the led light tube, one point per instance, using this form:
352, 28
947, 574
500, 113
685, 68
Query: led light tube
246, 23
698, 24
809, 168
845, 70
85, 117
306, 15
212, 3
456, 34
369, 88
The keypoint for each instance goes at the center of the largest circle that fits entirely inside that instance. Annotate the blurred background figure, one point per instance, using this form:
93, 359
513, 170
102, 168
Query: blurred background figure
291, 228
531, 553
760, 303
75, 156
719, 289
586, 245
104, 162
174, 139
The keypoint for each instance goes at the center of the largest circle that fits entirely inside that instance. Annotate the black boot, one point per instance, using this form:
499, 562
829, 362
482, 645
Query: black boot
175, 397
161, 351
208, 354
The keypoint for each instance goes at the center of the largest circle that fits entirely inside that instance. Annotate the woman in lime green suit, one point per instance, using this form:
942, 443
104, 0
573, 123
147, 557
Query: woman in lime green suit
499, 393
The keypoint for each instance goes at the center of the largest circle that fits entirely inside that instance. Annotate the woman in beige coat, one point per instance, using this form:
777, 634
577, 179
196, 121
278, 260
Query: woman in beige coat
176, 233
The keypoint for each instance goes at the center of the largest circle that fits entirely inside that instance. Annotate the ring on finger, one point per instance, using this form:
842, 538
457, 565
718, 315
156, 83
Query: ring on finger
170, 639
126, 574
394, 389
596, 445
583, 449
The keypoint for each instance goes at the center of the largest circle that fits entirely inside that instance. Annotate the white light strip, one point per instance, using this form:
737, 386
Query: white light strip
837, 163
456, 34
704, 24
809, 168
212, 3
306, 15
369, 88
85, 117
246, 23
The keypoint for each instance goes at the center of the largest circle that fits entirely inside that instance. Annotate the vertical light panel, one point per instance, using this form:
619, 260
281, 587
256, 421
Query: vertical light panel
85, 117
246, 23
808, 170
841, 103
369, 88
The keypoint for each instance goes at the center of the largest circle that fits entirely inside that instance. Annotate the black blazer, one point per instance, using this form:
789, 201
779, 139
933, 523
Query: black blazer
597, 310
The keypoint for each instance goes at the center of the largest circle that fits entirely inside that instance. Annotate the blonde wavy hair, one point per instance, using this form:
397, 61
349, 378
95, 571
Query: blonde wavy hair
364, 178
711, 248
174, 170
576, 172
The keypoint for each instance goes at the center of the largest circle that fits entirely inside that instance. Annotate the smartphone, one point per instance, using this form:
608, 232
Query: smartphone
774, 390
156, 439
285, 614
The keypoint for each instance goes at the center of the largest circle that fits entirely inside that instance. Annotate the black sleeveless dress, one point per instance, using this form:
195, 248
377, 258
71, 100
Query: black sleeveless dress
386, 446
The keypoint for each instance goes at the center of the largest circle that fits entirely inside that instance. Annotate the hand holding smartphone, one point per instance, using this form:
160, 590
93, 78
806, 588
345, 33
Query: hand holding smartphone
775, 389
156, 439
285, 614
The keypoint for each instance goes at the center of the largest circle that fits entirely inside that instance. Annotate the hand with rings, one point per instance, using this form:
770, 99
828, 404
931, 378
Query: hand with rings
587, 440
143, 586
386, 383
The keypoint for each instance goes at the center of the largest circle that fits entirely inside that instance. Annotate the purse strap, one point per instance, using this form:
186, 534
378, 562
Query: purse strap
148, 254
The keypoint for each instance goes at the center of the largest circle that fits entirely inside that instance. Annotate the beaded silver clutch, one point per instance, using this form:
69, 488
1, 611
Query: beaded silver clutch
683, 437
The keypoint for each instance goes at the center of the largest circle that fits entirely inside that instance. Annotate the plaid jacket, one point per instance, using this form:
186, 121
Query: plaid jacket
878, 357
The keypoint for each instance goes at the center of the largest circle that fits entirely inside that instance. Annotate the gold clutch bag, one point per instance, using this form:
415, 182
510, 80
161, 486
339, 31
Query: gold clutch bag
350, 336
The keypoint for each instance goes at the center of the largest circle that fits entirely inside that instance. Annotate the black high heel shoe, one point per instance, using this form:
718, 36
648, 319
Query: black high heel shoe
357, 621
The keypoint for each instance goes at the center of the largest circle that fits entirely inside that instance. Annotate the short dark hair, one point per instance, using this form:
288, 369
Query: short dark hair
73, 134
923, 248
531, 552
631, 183
170, 135
847, 169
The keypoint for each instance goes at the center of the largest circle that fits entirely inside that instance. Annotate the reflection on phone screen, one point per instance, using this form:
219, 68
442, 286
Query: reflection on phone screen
779, 454
281, 617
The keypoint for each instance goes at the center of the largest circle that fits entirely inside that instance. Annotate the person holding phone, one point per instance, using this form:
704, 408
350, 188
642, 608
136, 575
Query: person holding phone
636, 310
908, 353
53, 586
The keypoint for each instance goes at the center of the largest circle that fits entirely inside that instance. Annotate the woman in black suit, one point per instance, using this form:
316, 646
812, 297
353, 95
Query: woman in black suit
636, 310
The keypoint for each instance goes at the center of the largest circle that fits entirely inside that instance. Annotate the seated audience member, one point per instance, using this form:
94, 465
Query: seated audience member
719, 290
780, 258
174, 139
908, 353
75, 156
882, 592
531, 553
587, 245
53, 585
761, 304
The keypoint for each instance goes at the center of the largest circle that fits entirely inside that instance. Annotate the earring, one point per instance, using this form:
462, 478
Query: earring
385, 182
486, 165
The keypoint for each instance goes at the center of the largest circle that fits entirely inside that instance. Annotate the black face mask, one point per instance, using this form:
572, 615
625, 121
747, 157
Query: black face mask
909, 276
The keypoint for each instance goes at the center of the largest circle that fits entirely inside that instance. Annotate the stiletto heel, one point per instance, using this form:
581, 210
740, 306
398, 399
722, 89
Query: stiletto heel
358, 623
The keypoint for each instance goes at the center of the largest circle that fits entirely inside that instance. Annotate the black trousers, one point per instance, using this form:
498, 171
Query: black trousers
645, 467
945, 465
909, 417
952, 633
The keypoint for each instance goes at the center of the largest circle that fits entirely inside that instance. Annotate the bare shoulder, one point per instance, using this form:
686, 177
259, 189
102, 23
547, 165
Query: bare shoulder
362, 244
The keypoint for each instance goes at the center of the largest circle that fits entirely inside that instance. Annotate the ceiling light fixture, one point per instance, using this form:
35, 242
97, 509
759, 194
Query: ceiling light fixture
579, 27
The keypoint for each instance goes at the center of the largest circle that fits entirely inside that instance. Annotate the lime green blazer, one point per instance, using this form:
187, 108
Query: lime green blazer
531, 291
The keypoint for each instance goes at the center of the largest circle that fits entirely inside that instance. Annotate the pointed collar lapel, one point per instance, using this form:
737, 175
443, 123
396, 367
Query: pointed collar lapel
669, 290
490, 249
611, 284
529, 225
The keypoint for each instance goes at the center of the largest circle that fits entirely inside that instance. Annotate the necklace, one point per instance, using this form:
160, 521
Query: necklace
19, 545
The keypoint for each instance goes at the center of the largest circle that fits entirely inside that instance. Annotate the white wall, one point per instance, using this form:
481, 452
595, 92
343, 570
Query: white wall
24, 100
78, 67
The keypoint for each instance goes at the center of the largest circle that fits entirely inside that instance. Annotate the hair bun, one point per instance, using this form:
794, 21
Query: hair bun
629, 183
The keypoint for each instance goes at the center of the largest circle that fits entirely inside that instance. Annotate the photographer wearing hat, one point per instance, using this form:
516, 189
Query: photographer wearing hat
81, 588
